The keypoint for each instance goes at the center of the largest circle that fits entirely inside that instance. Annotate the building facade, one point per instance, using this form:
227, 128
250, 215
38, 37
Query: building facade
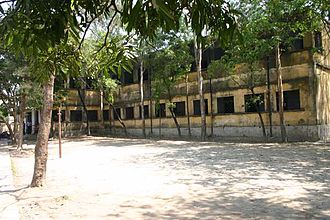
306, 84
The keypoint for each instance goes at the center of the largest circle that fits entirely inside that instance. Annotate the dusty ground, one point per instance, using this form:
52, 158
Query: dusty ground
104, 178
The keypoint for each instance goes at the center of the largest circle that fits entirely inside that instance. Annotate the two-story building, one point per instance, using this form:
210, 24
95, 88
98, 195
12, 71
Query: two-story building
306, 83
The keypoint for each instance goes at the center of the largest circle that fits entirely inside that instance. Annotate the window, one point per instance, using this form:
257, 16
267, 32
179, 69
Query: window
92, 115
75, 115
253, 103
73, 84
179, 109
118, 115
129, 112
160, 111
318, 40
55, 115
146, 111
298, 44
145, 74
89, 83
106, 115
226, 104
291, 100
127, 77
197, 107
58, 84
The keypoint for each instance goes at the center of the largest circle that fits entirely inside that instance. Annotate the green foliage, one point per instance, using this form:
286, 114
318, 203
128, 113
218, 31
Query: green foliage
110, 87
168, 64
219, 68
3, 112
106, 59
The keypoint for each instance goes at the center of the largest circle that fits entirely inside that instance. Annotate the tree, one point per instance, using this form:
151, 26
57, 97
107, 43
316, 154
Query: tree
105, 59
273, 25
40, 31
169, 64
16, 82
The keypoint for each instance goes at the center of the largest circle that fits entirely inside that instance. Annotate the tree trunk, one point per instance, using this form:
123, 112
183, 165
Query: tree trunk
284, 137
187, 106
110, 122
15, 115
82, 99
172, 112
269, 104
41, 148
198, 57
160, 125
11, 133
119, 119
101, 109
142, 101
21, 122
175, 121
259, 113
150, 103
211, 107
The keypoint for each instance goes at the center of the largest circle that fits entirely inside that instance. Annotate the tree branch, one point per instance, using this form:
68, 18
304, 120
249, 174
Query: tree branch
107, 34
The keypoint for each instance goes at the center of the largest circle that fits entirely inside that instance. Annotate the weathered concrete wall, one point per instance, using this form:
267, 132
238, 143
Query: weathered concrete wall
323, 103
296, 133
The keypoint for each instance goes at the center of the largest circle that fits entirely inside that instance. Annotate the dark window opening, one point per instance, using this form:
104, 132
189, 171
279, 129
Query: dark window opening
127, 77
146, 111
298, 44
58, 84
253, 103
179, 109
197, 107
75, 115
129, 112
89, 83
118, 115
291, 100
318, 40
73, 83
209, 54
226, 104
145, 74
106, 115
55, 115
114, 76
160, 111
92, 115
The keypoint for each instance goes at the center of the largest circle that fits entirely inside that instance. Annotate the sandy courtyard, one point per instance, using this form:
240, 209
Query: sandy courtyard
105, 178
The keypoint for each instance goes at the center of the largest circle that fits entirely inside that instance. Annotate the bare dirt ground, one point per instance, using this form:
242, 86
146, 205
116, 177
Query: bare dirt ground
106, 178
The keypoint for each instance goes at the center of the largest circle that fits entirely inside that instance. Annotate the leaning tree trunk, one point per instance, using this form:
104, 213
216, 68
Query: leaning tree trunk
284, 137
175, 121
41, 148
198, 57
187, 101
21, 122
119, 118
11, 133
142, 101
172, 112
259, 114
85, 110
